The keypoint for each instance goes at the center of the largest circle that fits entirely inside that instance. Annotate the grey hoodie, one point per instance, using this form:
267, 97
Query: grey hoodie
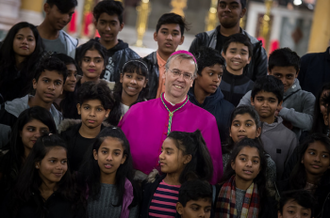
297, 107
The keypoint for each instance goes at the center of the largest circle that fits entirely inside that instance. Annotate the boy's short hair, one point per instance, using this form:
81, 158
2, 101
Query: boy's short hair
208, 57
284, 57
268, 84
193, 190
243, 3
172, 18
96, 91
239, 38
63, 5
110, 7
303, 197
51, 63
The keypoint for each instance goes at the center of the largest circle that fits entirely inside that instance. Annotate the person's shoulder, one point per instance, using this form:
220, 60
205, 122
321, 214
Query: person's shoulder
73, 41
312, 55
68, 125
203, 114
17, 105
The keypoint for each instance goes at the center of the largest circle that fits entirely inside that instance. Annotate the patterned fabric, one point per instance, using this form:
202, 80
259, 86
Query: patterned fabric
226, 204
164, 201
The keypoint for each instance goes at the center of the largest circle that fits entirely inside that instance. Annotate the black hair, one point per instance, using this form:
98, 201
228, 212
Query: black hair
51, 63
8, 61
318, 121
303, 197
91, 90
284, 57
239, 38
193, 190
172, 18
110, 7
200, 166
298, 177
268, 84
208, 57
243, 3
63, 5
131, 66
90, 174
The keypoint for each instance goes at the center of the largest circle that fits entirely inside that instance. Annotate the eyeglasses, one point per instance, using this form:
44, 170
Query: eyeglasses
186, 76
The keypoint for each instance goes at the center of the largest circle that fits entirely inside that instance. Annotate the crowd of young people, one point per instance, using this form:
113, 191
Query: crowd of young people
97, 131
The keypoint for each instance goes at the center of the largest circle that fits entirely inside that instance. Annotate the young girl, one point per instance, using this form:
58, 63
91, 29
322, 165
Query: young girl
184, 156
18, 56
311, 171
107, 177
132, 87
45, 187
30, 125
320, 111
242, 190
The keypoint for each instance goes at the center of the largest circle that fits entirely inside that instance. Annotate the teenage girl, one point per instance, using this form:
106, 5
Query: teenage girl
19, 54
107, 177
184, 156
311, 171
242, 187
45, 187
131, 88
320, 111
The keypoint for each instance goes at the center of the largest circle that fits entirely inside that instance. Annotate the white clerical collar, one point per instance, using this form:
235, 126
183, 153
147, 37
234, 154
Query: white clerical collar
171, 102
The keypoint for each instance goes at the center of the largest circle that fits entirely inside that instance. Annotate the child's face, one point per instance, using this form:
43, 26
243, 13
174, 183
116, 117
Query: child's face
54, 165
195, 209
92, 64
56, 18
168, 38
210, 79
293, 210
316, 159
230, 12
243, 126
265, 104
133, 83
92, 113
108, 27
286, 74
31, 131
24, 42
247, 164
49, 86
171, 159
110, 156
237, 56
70, 82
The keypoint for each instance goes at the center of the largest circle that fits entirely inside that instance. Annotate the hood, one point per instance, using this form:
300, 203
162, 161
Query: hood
209, 100
294, 88
120, 46
266, 126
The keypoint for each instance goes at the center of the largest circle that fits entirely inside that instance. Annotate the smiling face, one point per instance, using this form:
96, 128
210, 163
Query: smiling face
243, 126
56, 18
24, 42
210, 79
70, 82
237, 57
286, 74
108, 27
132, 83
92, 65
292, 209
230, 12
195, 209
265, 104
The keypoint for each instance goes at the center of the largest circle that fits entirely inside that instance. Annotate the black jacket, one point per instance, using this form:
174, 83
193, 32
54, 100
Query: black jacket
219, 107
153, 68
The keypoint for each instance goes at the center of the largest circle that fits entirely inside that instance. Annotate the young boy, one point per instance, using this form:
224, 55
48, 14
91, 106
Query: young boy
296, 204
108, 15
169, 35
298, 105
279, 142
195, 199
48, 85
206, 93
237, 52
58, 15
94, 105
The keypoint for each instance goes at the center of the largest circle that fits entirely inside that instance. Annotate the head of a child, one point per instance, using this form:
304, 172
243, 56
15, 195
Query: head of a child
284, 64
94, 103
237, 52
195, 199
49, 79
170, 33
72, 69
298, 203
108, 15
59, 12
185, 154
210, 70
314, 161
236, 9
92, 59
324, 109
267, 96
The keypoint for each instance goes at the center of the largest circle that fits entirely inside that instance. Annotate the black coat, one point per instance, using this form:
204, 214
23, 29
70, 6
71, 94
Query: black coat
151, 61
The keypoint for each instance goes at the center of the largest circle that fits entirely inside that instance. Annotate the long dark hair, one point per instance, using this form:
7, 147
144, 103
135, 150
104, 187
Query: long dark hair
200, 166
318, 122
298, 177
131, 66
89, 174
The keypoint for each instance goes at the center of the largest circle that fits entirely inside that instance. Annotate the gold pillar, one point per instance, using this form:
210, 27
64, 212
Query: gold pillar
320, 31
211, 19
265, 26
35, 5
143, 11
178, 6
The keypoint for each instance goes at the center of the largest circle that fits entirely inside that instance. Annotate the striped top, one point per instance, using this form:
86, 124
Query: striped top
164, 201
